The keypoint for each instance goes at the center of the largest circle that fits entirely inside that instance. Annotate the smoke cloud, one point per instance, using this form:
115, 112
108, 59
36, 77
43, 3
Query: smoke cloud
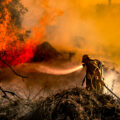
85, 26
112, 81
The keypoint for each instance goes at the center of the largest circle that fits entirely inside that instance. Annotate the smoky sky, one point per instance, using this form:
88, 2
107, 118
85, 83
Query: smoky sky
85, 26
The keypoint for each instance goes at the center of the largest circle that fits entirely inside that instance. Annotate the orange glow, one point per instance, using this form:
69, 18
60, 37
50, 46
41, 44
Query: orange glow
12, 50
48, 18
6, 2
15, 51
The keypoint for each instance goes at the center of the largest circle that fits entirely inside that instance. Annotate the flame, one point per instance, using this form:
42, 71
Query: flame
12, 50
15, 51
6, 2
48, 18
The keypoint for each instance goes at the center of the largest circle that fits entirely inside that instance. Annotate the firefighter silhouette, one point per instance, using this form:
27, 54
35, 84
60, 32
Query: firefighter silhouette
94, 80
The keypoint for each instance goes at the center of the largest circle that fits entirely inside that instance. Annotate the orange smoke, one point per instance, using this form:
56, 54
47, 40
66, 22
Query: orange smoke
49, 18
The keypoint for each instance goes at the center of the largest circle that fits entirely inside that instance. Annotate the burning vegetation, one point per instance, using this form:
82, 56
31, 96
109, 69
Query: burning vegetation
13, 49
16, 44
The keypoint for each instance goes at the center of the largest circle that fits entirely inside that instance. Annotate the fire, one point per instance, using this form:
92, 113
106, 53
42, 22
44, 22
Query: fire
48, 18
6, 2
12, 49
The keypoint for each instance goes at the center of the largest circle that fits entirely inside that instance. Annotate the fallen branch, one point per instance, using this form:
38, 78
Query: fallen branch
17, 74
5, 91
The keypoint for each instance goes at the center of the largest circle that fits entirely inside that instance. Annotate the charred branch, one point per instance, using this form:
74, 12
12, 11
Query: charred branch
17, 74
9, 92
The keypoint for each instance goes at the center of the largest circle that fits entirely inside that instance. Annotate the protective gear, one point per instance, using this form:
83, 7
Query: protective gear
85, 59
93, 77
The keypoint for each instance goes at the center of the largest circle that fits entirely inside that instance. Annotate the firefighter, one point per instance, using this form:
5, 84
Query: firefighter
94, 80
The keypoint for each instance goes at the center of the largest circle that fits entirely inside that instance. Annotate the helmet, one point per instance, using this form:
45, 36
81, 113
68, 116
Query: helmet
85, 58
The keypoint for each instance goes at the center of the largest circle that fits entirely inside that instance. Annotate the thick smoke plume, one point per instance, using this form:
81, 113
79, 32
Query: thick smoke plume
85, 26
